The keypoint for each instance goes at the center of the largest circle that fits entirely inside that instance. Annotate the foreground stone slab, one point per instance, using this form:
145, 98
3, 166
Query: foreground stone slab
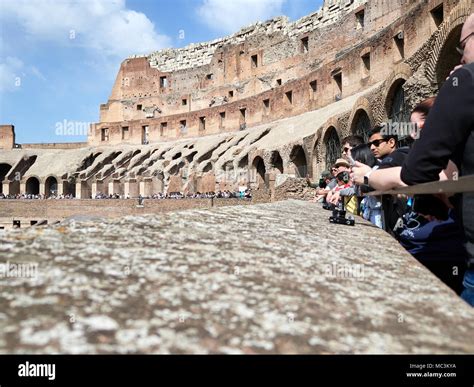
272, 278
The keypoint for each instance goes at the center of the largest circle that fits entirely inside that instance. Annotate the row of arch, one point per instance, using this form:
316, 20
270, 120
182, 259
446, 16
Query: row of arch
32, 186
33, 183
330, 150
433, 63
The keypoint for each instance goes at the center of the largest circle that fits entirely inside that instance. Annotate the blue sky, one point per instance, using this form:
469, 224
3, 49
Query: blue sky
59, 58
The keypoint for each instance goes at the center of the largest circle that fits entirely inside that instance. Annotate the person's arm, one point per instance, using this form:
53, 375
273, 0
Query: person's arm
347, 191
384, 179
445, 131
379, 179
389, 178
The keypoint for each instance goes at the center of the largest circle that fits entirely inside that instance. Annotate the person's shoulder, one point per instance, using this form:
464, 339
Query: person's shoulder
469, 67
464, 71
401, 152
394, 159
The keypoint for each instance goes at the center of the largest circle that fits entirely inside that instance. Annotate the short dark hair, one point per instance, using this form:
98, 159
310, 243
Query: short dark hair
425, 106
386, 137
362, 154
353, 140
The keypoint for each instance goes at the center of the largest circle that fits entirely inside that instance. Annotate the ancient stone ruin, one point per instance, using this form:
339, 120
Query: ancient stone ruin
262, 109
269, 102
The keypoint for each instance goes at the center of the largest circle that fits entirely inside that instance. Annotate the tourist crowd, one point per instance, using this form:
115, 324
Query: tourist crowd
180, 195
438, 229
173, 195
35, 196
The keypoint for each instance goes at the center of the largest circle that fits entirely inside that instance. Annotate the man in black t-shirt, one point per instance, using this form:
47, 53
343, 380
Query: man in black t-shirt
448, 134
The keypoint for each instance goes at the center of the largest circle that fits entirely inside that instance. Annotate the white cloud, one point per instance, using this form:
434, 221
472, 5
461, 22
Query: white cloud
11, 72
105, 26
228, 16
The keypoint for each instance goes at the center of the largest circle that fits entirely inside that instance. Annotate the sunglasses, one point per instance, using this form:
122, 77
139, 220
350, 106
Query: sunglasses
462, 45
376, 143
345, 150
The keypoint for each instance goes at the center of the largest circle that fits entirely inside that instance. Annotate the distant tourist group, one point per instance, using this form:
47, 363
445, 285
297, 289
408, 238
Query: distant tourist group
180, 195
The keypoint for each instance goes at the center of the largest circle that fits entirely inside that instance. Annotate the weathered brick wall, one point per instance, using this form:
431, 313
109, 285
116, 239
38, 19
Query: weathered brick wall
277, 45
55, 145
7, 136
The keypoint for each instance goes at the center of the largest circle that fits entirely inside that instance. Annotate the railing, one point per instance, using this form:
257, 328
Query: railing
462, 185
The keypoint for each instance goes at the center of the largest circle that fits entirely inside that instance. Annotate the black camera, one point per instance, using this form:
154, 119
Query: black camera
339, 217
322, 183
328, 206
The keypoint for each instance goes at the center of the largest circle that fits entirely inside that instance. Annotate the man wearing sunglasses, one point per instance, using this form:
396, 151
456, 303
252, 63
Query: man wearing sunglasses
384, 148
448, 134
348, 143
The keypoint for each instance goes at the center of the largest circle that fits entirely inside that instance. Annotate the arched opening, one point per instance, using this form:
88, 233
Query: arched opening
51, 186
244, 161
4, 169
32, 186
207, 168
361, 125
448, 56
398, 110
259, 167
277, 161
298, 158
333, 147
174, 170
69, 187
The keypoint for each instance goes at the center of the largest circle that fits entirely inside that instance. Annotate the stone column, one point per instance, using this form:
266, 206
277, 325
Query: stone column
111, 187
126, 188
60, 187
42, 188
78, 190
6, 187
271, 185
94, 189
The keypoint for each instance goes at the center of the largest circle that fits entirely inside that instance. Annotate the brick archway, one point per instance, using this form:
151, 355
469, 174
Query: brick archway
455, 20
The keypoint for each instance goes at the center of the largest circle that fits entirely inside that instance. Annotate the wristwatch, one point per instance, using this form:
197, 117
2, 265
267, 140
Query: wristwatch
366, 177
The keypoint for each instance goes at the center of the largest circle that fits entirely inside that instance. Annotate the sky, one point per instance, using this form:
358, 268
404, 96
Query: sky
59, 58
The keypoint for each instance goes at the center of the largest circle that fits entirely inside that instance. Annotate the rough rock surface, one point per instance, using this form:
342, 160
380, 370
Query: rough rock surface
255, 279
294, 188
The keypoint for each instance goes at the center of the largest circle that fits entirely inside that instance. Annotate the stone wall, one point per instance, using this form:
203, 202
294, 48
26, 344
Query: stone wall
218, 137
55, 145
271, 278
57, 210
230, 81
196, 55
7, 136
